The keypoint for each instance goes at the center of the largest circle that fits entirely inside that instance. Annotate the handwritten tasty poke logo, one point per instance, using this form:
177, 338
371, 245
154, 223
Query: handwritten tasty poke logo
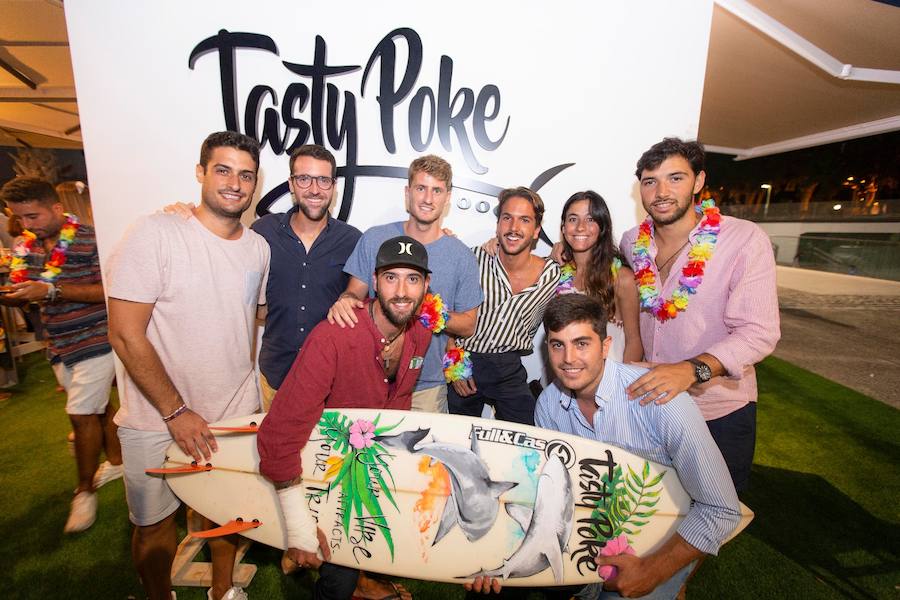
315, 106
507, 436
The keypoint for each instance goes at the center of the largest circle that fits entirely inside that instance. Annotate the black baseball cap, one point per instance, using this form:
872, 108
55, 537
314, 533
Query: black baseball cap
402, 250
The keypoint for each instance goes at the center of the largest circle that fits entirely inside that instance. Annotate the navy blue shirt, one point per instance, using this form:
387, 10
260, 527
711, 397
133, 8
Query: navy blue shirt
302, 286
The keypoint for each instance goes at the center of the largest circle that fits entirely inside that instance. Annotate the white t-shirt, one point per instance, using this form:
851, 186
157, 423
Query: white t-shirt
205, 290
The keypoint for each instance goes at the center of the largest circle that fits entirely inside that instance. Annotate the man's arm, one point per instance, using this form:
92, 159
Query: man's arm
128, 336
341, 312
284, 432
462, 324
751, 317
714, 511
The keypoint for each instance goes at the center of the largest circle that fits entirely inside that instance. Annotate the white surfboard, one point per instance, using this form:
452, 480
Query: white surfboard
448, 497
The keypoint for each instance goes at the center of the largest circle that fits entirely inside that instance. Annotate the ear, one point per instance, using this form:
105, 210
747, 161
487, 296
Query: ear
375, 283
201, 172
58, 209
607, 346
537, 233
406, 197
700, 181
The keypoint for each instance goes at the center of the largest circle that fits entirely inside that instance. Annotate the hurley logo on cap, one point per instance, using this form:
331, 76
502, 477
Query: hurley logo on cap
402, 250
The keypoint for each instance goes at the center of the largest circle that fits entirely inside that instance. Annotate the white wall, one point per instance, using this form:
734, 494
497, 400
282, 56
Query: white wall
592, 84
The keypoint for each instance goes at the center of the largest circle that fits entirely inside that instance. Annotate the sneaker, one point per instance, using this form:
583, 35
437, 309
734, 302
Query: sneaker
235, 593
84, 512
107, 472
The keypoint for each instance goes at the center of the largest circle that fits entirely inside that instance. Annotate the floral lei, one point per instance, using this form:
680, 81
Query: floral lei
18, 267
434, 315
691, 274
567, 272
457, 365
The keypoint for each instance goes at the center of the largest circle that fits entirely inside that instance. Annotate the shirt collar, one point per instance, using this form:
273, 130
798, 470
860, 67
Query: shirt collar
604, 391
284, 219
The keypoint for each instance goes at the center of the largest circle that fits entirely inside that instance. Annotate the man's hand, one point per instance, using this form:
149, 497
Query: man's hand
492, 246
182, 209
192, 435
662, 382
464, 387
484, 585
636, 576
29, 291
556, 253
311, 560
341, 312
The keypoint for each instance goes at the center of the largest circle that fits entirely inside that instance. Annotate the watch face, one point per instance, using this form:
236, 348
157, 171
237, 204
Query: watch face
704, 373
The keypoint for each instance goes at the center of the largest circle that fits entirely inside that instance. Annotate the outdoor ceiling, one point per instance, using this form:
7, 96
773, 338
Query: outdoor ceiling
758, 92
759, 96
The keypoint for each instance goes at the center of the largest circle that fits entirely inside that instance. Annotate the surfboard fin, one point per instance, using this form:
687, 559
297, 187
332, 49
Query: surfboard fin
235, 526
253, 427
191, 468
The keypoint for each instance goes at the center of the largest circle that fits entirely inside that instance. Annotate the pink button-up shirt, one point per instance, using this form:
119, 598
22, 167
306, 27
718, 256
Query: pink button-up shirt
733, 315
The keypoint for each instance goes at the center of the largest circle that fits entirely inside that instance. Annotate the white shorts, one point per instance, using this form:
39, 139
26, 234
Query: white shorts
432, 400
87, 384
150, 500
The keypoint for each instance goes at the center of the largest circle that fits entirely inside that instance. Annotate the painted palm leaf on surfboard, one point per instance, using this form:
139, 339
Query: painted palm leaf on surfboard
446, 497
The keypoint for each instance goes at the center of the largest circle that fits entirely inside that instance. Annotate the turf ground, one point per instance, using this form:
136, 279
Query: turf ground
825, 489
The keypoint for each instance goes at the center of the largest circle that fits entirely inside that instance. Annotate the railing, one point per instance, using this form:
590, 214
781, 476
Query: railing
857, 255
884, 210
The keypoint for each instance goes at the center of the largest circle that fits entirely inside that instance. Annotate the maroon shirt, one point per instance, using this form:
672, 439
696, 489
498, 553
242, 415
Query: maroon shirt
336, 368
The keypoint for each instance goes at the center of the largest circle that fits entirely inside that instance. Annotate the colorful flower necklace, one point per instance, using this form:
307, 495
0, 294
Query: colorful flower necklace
691, 274
18, 267
567, 272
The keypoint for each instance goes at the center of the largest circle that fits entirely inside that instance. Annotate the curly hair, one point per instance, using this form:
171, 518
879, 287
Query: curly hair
660, 151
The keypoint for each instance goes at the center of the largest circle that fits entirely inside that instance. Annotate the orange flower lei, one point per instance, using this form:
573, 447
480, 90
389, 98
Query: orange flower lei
18, 267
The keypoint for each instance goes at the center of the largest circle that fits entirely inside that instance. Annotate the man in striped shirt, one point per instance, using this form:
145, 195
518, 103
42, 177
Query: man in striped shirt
589, 399
517, 286
55, 264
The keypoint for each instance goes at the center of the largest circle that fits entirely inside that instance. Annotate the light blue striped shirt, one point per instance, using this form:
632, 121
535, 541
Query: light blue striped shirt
672, 434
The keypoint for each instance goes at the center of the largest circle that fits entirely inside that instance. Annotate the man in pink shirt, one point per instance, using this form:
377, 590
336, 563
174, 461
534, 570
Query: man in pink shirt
709, 305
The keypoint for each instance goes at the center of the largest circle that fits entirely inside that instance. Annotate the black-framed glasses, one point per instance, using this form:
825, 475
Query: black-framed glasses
304, 181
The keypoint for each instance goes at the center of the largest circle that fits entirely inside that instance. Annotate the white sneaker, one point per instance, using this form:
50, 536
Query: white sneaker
107, 472
83, 514
235, 593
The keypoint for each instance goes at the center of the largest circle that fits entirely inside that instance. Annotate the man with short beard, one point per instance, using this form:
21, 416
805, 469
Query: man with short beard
306, 276
56, 265
454, 272
384, 353
183, 297
517, 287
709, 305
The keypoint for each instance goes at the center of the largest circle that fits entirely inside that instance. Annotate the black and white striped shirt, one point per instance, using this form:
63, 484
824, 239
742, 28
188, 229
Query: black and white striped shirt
508, 322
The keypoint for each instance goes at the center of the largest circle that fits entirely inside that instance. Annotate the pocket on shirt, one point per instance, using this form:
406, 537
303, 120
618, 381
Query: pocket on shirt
252, 281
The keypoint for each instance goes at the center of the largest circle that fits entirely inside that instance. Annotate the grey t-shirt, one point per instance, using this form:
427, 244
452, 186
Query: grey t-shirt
454, 275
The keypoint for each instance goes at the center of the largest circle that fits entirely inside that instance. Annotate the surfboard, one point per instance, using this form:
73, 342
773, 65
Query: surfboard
446, 497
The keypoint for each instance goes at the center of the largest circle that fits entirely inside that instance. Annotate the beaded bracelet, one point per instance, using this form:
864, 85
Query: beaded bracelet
434, 315
457, 365
177, 412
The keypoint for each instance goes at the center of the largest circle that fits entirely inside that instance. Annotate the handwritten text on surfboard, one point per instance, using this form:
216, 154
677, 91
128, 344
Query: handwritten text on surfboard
363, 529
593, 530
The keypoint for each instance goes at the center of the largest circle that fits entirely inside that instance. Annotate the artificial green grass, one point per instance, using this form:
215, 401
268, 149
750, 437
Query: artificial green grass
825, 490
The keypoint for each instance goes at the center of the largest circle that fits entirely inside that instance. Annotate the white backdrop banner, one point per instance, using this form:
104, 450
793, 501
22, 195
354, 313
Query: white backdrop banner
558, 96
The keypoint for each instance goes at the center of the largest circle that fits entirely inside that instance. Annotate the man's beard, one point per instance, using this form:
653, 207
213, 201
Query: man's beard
395, 319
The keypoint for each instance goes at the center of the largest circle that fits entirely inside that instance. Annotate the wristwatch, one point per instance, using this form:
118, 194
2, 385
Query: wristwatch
702, 372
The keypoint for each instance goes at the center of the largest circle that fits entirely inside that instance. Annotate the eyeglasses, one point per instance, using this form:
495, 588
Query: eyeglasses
304, 181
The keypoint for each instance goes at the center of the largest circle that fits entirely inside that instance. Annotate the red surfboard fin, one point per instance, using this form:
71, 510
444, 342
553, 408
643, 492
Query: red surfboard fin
251, 428
236, 526
191, 468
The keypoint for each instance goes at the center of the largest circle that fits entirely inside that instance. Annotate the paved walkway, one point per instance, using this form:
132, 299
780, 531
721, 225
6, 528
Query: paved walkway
844, 328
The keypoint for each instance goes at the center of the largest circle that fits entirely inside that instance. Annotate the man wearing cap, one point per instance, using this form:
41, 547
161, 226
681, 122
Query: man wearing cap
385, 353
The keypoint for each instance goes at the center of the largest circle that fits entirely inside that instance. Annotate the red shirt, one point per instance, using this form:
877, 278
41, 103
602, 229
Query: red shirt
336, 368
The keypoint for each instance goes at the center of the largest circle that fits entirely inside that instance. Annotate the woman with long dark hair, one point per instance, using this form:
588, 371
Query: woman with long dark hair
592, 265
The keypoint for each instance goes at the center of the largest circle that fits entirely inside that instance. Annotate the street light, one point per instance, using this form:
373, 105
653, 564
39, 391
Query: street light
768, 188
